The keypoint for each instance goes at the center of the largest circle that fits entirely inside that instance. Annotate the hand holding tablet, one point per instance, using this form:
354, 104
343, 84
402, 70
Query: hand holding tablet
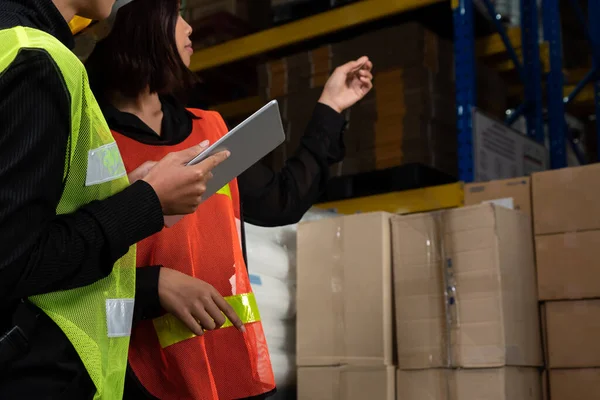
247, 143
180, 188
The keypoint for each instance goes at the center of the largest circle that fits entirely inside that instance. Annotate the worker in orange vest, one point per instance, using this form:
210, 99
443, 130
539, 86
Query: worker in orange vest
190, 351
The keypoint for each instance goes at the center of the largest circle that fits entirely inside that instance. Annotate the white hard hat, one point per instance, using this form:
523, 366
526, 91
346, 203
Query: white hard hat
86, 40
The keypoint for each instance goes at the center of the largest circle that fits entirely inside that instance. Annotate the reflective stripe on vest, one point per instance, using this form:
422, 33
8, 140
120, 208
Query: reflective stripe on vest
171, 330
97, 318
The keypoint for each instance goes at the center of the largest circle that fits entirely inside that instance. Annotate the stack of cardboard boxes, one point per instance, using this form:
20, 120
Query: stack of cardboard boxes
567, 236
409, 117
218, 21
466, 307
566, 220
344, 309
454, 316
289, 10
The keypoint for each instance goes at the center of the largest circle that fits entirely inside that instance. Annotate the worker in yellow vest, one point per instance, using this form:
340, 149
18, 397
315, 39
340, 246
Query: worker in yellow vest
69, 217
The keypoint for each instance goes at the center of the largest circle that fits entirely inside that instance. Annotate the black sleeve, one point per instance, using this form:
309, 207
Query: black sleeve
147, 302
41, 252
279, 198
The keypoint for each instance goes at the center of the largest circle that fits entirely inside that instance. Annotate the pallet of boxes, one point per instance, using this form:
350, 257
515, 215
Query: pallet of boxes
409, 116
567, 237
434, 306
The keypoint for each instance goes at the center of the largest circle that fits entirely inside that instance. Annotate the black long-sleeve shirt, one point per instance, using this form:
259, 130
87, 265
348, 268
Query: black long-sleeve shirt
269, 198
41, 252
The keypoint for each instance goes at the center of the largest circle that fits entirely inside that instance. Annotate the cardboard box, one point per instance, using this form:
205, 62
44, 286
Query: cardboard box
501, 152
346, 383
510, 193
566, 200
573, 332
484, 256
344, 294
575, 384
507, 383
567, 265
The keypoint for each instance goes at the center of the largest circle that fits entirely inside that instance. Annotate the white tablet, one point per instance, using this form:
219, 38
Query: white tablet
248, 143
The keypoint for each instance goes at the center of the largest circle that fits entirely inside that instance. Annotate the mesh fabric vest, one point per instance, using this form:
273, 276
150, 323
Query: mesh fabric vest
168, 359
95, 318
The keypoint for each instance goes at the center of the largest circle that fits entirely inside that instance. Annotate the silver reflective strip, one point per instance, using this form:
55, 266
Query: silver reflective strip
119, 317
104, 164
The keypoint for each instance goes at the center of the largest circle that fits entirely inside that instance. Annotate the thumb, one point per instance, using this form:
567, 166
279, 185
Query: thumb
188, 154
354, 65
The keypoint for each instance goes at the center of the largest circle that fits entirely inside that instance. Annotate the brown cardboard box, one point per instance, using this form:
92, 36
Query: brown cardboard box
567, 265
573, 331
508, 383
485, 254
575, 384
566, 200
422, 48
511, 193
346, 383
344, 294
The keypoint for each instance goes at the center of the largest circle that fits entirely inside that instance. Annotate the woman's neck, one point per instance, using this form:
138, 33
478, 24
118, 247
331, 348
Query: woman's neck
146, 106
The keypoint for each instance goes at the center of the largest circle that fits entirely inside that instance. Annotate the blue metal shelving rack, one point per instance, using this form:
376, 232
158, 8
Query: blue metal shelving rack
556, 99
466, 90
530, 72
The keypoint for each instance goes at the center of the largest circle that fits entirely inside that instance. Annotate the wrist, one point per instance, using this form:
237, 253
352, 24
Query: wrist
156, 190
331, 104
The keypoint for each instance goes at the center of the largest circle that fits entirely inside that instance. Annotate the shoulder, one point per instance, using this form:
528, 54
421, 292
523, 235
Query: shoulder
35, 55
33, 71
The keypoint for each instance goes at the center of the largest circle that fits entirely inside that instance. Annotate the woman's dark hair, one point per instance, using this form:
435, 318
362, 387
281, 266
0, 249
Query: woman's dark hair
140, 52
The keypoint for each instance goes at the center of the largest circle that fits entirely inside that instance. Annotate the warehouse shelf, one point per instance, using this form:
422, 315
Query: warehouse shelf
295, 32
516, 51
559, 95
405, 202
532, 61
527, 64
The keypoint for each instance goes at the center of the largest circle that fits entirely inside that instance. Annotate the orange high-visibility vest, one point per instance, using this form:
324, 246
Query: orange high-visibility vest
169, 361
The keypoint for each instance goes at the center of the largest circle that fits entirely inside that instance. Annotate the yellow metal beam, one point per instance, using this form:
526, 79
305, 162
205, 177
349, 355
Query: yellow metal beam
298, 31
586, 96
406, 202
493, 45
508, 65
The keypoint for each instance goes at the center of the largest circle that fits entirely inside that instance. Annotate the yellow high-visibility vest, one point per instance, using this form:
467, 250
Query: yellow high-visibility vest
97, 318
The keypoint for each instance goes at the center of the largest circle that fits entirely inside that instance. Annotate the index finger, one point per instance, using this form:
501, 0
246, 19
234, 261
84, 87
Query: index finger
229, 313
211, 162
